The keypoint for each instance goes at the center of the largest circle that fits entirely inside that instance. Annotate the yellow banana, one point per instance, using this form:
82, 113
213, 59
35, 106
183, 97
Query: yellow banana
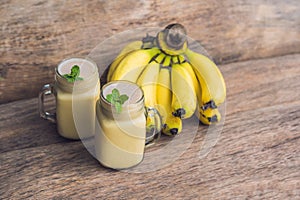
163, 92
167, 61
135, 45
184, 99
147, 81
210, 78
175, 60
133, 64
160, 58
175, 80
196, 83
171, 125
209, 116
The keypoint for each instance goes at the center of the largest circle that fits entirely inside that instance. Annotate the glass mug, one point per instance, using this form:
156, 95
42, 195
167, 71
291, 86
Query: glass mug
79, 97
120, 137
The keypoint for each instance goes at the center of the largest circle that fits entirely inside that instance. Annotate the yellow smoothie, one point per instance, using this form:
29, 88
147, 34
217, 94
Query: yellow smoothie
120, 137
76, 102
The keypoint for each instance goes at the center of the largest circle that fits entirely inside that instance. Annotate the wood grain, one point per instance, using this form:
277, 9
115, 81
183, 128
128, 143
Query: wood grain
37, 35
256, 155
247, 89
254, 158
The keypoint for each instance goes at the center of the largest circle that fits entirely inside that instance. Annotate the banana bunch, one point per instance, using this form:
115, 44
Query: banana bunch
176, 81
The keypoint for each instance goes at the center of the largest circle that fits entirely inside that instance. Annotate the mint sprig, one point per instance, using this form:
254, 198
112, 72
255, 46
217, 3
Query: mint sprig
116, 99
74, 75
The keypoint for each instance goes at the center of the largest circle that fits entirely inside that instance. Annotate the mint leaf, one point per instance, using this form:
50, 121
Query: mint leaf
74, 75
118, 106
115, 99
109, 98
69, 78
115, 93
75, 71
123, 98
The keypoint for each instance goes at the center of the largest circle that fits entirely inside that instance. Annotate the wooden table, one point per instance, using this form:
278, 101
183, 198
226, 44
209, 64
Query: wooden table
256, 156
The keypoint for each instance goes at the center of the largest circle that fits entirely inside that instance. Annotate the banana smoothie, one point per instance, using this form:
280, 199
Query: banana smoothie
120, 134
76, 99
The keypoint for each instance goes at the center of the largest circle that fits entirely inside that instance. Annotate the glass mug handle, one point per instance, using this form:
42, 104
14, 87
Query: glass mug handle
154, 133
46, 90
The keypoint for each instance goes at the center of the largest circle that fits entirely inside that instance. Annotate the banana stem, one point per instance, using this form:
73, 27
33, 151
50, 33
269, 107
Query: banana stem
172, 40
175, 36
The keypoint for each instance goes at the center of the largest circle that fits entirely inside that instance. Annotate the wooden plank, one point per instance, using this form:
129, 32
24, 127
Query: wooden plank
255, 157
37, 35
262, 83
247, 86
21, 127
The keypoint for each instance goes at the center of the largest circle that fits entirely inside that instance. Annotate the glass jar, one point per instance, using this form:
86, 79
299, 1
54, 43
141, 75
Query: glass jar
120, 137
75, 102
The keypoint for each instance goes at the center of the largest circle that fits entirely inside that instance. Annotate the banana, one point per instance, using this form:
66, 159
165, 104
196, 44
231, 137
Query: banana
147, 81
160, 58
131, 66
167, 61
135, 45
175, 80
211, 80
209, 116
163, 91
175, 60
184, 99
196, 83
171, 125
